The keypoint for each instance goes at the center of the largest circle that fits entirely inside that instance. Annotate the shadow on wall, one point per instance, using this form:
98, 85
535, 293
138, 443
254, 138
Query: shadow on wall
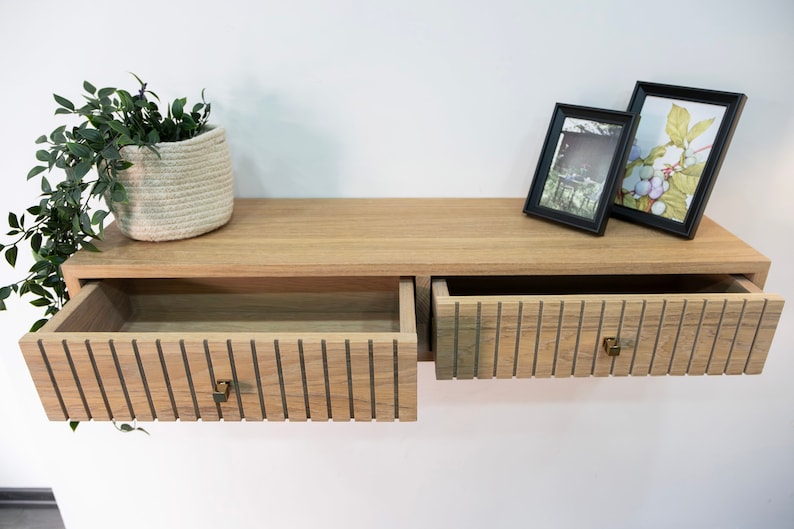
277, 148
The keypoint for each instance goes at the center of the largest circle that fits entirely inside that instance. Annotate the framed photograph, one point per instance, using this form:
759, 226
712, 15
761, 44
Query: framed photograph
675, 155
581, 165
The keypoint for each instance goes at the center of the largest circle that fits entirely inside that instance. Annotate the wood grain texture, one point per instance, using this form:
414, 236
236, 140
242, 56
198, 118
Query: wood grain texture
411, 237
168, 371
544, 335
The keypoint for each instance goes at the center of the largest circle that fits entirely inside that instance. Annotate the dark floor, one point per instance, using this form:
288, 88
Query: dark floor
29, 509
30, 518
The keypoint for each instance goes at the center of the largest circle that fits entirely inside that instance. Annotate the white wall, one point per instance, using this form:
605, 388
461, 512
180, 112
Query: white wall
423, 98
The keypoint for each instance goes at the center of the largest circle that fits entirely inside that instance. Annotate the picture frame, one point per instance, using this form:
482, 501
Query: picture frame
582, 158
676, 154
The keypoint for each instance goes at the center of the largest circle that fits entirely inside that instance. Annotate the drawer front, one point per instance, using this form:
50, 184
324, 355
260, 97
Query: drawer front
169, 376
486, 336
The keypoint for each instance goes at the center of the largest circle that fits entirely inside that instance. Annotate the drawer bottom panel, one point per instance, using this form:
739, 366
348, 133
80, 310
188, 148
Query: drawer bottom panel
271, 378
563, 338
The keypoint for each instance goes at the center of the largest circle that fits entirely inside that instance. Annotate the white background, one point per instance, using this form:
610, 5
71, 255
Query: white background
422, 98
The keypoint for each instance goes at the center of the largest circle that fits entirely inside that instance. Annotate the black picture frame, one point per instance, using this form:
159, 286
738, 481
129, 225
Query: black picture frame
582, 159
682, 139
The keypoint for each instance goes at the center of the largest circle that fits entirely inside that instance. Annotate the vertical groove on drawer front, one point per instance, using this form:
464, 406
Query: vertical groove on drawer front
329, 410
360, 379
567, 338
637, 337
726, 335
508, 333
618, 334
455, 330
557, 340
519, 330
547, 339
54, 383
537, 341
372, 401
529, 326
280, 372
630, 322
407, 381
338, 386
144, 383
597, 345
210, 410
89, 387
258, 378
696, 340
677, 341
735, 337
303, 380
763, 339
189, 379
167, 378
235, 379
271, 385
687, 336
657, 337
486, 350
396, 355
157, 388
745, 335
588, 336
496, 339
609, 327
713, 310
95, 413
468, 340
648, 337
77, 382
122, 381
349, 378
384, 388
575, 355
316, 386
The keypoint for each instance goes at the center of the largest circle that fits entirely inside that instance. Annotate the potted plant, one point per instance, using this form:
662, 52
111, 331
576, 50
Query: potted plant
162, 176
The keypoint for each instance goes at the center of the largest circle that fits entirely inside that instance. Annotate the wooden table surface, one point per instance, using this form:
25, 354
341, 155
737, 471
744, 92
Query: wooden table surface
413, 237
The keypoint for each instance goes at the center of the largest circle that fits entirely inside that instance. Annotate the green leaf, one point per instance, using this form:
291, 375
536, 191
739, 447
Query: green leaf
13, 221
63, 102
82, 169
41, 139
111, 153
693, 170
45, 186
698, 128
677, 125
675, 202
118, 193
79, 150
105, 92
11, 255
88, 87
43, 155
178, 108
36, 171
91, 135
35, 242
88, 246
73, 424
686, 184
98, 217
5, 292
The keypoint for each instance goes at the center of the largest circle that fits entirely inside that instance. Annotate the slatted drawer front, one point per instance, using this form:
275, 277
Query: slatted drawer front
503, 336
166, 376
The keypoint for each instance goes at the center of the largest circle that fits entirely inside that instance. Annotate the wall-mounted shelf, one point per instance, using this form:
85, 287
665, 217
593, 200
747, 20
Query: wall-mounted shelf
316, 308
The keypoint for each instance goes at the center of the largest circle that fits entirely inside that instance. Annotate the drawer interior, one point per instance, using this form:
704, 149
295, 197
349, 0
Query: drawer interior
596, 284
329, 304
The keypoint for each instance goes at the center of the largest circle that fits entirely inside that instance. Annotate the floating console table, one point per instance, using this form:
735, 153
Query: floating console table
320, 308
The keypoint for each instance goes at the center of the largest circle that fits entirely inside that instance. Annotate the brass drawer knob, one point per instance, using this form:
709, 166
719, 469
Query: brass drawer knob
221, 393
611, 346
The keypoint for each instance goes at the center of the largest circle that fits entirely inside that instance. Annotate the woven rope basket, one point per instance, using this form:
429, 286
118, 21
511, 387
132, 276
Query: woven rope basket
185, 192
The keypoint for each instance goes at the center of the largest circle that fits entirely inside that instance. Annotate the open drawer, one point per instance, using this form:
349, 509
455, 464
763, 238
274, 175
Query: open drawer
232, 349
563, 326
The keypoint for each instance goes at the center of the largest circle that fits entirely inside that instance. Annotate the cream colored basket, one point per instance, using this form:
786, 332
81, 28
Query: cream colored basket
185, 192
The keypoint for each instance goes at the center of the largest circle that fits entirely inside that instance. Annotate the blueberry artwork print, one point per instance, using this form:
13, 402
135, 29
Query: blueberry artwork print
675, 155
666, 161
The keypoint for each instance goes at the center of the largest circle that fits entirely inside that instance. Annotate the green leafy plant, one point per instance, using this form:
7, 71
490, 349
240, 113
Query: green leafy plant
78, 168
